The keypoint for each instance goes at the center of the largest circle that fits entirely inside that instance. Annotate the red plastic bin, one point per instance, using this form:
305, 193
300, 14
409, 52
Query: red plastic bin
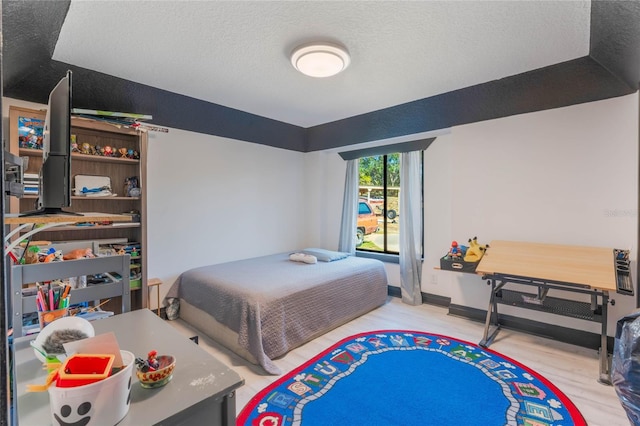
82, 369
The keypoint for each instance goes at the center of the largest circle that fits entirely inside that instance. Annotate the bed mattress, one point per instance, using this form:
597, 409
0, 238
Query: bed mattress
274, 305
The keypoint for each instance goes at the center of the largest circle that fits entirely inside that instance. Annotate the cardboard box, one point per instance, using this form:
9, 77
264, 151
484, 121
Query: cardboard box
458, 265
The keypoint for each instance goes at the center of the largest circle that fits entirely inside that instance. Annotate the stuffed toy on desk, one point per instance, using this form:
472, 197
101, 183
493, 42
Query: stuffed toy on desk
475, 251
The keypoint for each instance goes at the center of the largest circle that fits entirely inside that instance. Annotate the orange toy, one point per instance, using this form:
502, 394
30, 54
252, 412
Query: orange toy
78, 254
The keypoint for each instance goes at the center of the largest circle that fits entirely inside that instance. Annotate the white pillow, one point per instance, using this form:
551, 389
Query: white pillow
325, 255
301, 257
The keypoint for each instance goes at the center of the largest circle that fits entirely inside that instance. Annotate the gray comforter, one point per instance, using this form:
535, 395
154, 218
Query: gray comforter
275, 304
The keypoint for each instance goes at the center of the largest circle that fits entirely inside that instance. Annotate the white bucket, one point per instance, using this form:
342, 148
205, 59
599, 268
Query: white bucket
103, 403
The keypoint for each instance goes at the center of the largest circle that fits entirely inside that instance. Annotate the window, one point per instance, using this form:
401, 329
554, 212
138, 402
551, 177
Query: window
379, 218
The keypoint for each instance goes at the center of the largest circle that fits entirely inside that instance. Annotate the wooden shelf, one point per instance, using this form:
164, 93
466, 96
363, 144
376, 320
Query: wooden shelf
80, 197
78, 156
16, 219
92, 228
117, 169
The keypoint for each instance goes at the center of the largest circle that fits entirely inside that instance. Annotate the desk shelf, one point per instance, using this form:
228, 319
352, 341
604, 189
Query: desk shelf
552, 305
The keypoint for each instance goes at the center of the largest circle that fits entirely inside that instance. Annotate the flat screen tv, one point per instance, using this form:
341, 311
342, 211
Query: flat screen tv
55, 175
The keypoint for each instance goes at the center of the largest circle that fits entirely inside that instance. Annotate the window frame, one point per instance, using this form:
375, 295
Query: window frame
385, 255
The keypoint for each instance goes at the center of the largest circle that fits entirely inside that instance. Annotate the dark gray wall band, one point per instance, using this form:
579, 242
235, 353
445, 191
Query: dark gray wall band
612, 69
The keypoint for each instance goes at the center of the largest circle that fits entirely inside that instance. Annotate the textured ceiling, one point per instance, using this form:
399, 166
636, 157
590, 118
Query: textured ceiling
236, 53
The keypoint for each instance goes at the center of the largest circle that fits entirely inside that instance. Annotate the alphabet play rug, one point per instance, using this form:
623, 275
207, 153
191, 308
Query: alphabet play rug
396, 377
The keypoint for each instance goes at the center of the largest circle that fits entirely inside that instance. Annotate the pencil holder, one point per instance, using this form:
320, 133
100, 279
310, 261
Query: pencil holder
47, 317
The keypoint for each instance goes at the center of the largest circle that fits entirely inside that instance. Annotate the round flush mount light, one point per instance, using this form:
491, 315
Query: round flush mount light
320, 59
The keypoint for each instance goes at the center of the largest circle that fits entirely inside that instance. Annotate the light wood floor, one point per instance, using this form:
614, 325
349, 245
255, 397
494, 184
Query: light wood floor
573, 369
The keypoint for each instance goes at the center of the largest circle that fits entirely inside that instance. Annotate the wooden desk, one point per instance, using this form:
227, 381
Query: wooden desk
586, 270
202, 390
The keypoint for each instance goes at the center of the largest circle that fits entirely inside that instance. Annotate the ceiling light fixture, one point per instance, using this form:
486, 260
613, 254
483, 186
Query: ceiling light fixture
320, 59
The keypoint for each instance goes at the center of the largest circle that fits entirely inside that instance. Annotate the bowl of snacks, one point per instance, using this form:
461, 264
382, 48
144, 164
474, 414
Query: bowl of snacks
155, 371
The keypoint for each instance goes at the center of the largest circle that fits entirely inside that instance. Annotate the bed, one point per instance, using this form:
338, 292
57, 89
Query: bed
263, 307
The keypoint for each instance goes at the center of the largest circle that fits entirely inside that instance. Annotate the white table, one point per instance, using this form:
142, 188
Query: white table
202, 390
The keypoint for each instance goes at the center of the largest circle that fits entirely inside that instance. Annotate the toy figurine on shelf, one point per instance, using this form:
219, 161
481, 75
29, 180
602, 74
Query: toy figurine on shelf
53, 256
108, 151
31, 256
136, 155
123, 152
98, 150
131, 187
130, 153
455, 252
81, 253
87, 149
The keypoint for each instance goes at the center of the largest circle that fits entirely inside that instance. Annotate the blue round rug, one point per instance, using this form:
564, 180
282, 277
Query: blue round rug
397, 377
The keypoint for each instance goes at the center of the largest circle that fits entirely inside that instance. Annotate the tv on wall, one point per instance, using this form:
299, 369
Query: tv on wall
55, 175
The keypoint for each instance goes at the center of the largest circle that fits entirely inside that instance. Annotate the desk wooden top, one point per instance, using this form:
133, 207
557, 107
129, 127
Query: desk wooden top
59, 218
592, 266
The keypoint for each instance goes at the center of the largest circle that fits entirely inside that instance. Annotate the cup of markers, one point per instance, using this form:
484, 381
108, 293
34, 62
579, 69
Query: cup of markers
52, 304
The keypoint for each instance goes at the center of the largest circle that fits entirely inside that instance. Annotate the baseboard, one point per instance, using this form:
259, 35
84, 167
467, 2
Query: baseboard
582, 338
393, 291
430, 299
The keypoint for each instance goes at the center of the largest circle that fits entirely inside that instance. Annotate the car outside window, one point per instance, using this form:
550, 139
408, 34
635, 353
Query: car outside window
379, 189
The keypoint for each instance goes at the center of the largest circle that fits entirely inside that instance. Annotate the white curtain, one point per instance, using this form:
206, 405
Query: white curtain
350, 209
410, 228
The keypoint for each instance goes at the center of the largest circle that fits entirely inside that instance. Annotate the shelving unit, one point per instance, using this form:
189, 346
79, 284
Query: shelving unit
23, 274
94, 132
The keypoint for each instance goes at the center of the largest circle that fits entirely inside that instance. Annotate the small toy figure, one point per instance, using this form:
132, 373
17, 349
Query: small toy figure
152, 361
142, 365
136, 155
475, 251
150, 364
108, 151
454, 252
98, 150
31, 256
56, 256
74, 147
123, 152
79, 254
87, 149
130, 187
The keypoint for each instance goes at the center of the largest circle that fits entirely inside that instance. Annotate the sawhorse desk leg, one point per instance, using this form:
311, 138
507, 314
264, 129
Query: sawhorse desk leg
605, 373
492, 315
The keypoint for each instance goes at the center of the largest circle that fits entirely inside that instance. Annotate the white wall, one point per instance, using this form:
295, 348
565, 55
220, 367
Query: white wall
563, 176
553, 177
212, 200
